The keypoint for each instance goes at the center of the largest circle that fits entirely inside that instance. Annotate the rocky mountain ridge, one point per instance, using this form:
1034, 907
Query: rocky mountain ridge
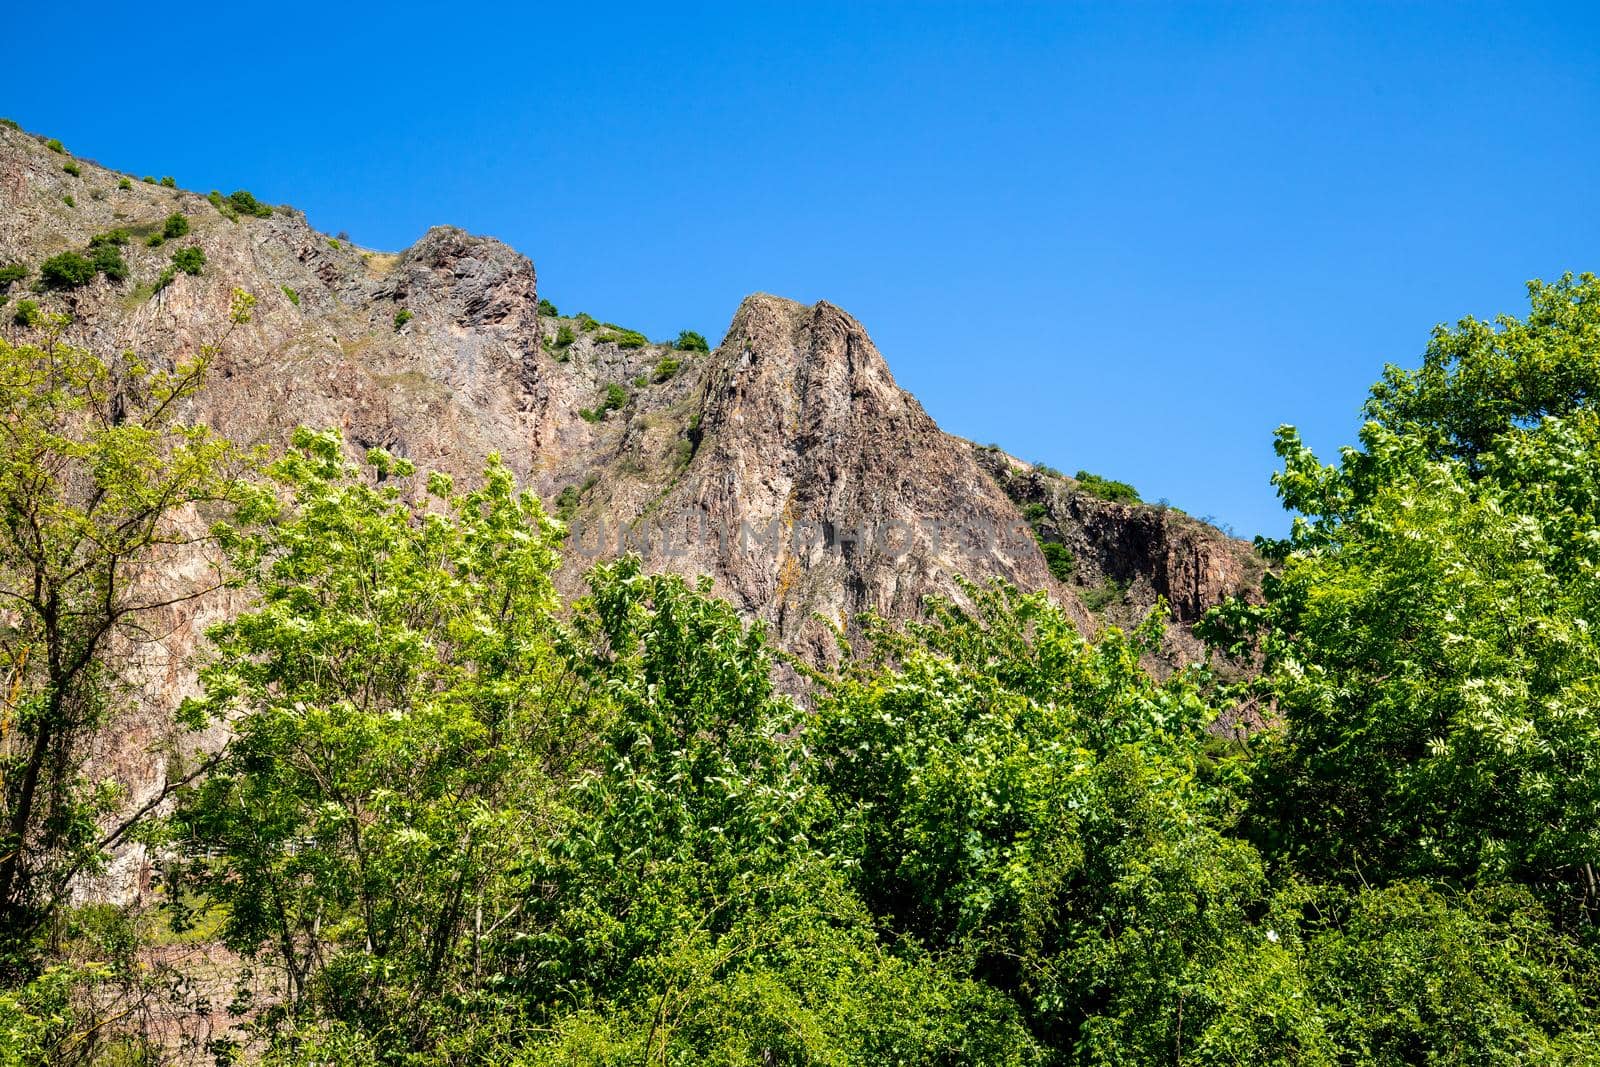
786, 463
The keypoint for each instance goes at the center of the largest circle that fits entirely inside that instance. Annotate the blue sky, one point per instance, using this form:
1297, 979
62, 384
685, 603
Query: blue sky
1132, 239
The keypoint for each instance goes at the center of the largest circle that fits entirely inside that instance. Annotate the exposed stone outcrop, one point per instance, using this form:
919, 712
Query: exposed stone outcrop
787, 464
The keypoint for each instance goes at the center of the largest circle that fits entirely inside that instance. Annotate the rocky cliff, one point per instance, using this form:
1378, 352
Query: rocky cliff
786, 463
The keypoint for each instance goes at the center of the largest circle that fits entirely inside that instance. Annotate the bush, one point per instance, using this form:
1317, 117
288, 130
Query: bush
689, 341
224, 208
10, 124
613, 398
169, 182
110, 237
1107, 489
27, 314
586, 322
109, 262
69, 201
547, 309
124, 183
246, 204
73, 169
66, 270
55, 146
565, 336
294, 297
189, 260
1058, 558
13, 272
148, 179
666, 368
402, 317
177, 225
616, 335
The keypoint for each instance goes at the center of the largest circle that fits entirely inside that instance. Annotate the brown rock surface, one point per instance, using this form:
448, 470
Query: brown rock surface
787, 464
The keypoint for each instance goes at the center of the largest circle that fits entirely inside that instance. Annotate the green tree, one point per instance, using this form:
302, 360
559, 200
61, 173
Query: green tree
100, 481
395, 699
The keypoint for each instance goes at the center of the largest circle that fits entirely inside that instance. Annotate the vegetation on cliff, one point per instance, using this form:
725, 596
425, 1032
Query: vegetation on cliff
463, 819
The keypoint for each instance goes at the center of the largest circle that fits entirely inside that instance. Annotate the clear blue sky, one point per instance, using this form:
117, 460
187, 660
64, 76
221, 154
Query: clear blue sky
1128, 239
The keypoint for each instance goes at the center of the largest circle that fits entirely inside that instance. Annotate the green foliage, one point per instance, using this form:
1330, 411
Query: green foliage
613, 398
55, 146
1481, 379
547, 309
191, 260
586, 322
1058, 558
169, 182
402, 317
108, 261
96, 473
1428, 636
224, 208
665, 368
1106, 489
175, 226
571, 496
148, 179
243, 203
689, 341
10, 124
66, 270
622, 338
69, 200
28, 314
422, 674
118, 237
12, 273
124, 183
564, 336
72, 169
1028, 802
294, 297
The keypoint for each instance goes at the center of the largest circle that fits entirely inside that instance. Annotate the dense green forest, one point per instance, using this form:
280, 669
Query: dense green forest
462, 819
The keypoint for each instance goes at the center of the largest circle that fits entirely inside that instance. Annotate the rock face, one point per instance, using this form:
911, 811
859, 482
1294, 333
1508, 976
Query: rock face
787, 464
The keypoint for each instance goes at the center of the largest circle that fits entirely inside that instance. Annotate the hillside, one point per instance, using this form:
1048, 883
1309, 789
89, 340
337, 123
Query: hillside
786, 464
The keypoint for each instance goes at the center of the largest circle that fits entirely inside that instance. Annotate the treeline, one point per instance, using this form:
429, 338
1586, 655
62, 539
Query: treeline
462, 820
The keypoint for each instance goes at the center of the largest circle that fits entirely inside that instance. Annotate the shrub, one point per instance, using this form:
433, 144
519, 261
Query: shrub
163, 280
615, 397
189, 260
294, 297
109, 262
69, 201
13, 272
623, 338
1107, 489
1058, 558
565, 336
110, 237
586, 322
246, 204
224, 208
148, 179
689, 341
73, 169
10, 124
1047, 470
169, 182
1035, 513
66, 270
124, 183
547, 309
55, 146
666, 368
177, 225
333, 243
27, 314
402, 317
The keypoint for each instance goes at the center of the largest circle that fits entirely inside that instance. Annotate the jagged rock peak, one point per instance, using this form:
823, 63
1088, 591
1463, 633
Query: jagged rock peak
481, 280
